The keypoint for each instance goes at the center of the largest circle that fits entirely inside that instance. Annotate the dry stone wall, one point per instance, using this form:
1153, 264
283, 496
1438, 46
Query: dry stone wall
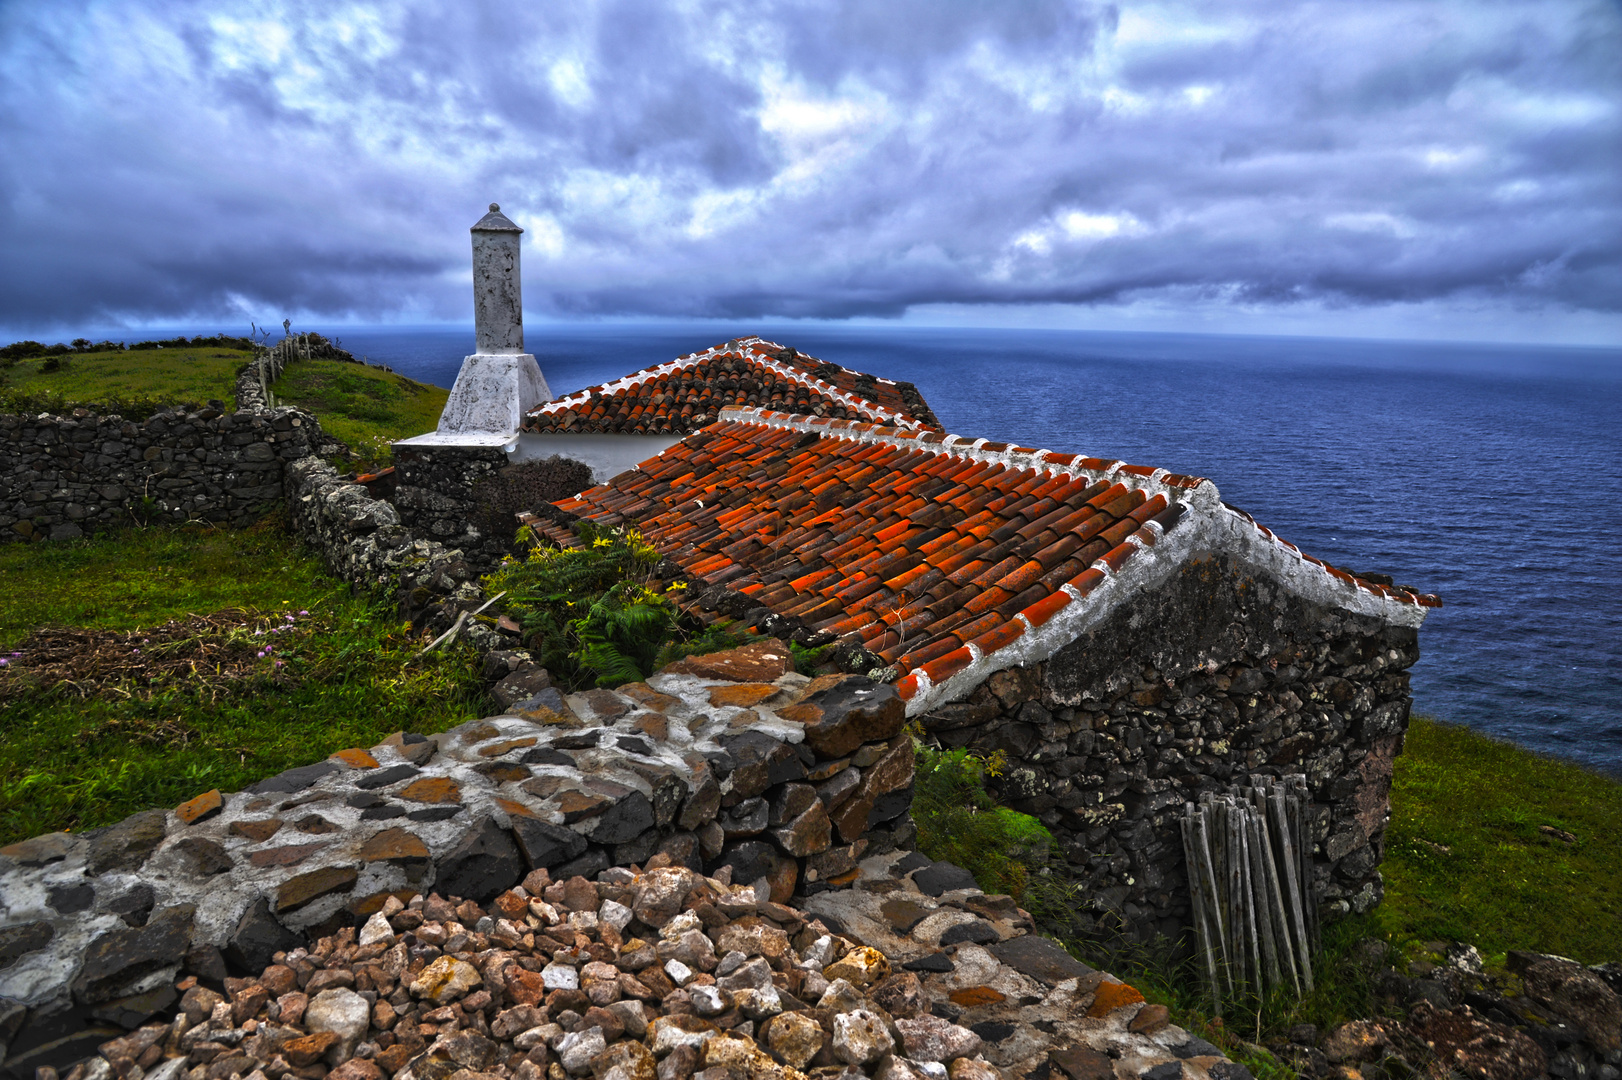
1219, 675
62, 477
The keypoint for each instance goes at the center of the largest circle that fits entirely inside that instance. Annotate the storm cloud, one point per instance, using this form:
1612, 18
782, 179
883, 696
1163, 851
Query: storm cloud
174, 160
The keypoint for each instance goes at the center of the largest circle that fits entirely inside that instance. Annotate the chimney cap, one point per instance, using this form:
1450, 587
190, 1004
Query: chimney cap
495, 221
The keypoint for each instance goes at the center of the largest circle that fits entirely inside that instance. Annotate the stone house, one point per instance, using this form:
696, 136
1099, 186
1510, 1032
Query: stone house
1131, 641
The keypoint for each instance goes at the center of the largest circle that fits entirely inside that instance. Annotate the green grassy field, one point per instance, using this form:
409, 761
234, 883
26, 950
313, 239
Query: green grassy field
364, 406
151, 732
182, 375
1468, 856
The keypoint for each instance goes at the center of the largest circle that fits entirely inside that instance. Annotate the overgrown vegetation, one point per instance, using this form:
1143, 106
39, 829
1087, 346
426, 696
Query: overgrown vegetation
594, 615
252, 660
961, 822
366, 407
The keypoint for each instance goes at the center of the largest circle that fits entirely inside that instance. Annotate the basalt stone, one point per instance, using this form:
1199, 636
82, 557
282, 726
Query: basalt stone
307, 888
544, 844
41, 850
132, 1010
891, 773
134, 905
627, 819
585, 740
434, 813
19, 941
702, 805
588, 865
750, 860
526, 682
841, 712
1038, 957
126, 846
937, 962
747, 818
384, 777
941, 877
482, 865
123, 957
546, 755
669, 789
386, 812
913, 860
975, 933
295, 779
760, 761
69, 899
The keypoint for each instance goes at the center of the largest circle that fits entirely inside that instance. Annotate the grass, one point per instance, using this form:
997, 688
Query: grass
1467, 858
366, 407
180, 375
346, 674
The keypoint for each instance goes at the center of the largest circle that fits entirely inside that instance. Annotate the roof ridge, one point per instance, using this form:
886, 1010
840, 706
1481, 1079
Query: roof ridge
746, 345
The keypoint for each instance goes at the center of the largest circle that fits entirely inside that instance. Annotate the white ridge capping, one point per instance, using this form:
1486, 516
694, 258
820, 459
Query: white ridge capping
670, 367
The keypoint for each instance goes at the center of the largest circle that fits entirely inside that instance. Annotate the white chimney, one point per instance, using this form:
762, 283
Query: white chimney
500, 382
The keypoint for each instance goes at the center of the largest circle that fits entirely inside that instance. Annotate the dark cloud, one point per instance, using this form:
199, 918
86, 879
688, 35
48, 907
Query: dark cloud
210, 160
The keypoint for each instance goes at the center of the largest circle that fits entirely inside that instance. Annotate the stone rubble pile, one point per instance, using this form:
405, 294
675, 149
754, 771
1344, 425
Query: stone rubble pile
666, 974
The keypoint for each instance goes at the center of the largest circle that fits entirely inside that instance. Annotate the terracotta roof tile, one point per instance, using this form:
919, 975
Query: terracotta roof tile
685, 394
933, 552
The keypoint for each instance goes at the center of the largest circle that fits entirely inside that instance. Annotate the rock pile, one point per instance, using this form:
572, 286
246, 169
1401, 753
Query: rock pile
666, 974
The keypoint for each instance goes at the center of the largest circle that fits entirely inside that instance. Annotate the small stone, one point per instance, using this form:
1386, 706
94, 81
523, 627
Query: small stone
679, 973
624, 1061
861, 966
710, 1000
669, 1032
979, 1069
354, 758
307, 1049
560, 976
207, 857
901, 995
287, 855
203, 806
860, 1038
395, 846
938, 962
1111, 996
976, 932
794, 1039
377, 929
576, 1050
973, 997
342, 1012
445, 980
761, 662
126, 845
841, 997
742, 695
1359, 1040
929, 1038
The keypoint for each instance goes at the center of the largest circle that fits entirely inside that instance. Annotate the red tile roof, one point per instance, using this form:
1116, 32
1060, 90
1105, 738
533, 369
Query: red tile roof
689, 392
940, 554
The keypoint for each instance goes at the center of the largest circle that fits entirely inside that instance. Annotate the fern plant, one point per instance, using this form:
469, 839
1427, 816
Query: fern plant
592, 615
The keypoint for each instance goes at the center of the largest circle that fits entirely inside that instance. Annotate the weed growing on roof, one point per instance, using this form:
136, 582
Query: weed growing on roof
145, 667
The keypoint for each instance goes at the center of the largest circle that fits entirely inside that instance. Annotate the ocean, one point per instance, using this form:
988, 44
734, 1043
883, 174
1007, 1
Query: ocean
1491, 475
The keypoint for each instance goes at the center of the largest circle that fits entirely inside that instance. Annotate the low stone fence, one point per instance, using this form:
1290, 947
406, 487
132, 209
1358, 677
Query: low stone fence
62, 477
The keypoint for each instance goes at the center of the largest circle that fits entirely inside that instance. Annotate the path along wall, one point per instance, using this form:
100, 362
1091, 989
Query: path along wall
1214, 676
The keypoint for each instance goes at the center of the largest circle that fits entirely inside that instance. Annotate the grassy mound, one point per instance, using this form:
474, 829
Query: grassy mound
366, 407
195, 659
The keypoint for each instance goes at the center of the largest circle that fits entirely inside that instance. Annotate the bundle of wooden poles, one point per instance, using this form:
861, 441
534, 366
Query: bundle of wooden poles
1249, 858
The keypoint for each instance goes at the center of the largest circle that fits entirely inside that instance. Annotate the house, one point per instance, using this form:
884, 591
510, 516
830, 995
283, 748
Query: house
614, 426
1129, 640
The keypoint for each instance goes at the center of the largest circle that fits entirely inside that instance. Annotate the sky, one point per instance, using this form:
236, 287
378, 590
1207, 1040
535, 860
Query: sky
1377, 168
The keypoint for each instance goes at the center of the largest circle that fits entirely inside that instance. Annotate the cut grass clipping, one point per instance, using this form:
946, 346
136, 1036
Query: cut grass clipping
196, 659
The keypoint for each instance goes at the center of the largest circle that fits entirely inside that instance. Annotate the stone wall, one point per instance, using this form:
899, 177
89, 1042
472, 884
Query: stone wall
63, 477
1217, 675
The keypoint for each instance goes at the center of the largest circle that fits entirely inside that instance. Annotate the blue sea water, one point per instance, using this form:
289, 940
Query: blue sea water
1491, 475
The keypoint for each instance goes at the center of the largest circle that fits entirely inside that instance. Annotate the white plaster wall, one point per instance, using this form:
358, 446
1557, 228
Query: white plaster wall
606, 455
